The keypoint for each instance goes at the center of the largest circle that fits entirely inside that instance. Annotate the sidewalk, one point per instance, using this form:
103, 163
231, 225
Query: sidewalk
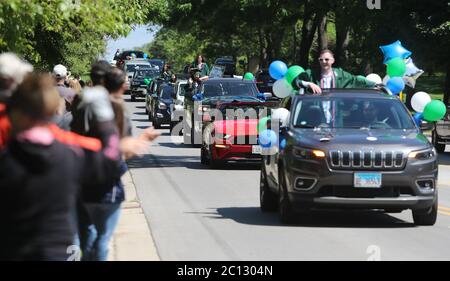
132, 240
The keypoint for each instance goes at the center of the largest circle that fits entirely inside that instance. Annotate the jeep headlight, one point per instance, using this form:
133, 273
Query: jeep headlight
306, 153
162, 105
423, 154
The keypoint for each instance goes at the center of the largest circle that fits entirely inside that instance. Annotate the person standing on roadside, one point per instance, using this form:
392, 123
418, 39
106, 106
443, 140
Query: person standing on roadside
60, 73
12, 72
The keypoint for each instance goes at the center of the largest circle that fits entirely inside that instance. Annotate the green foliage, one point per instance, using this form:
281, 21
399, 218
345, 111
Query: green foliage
71, 32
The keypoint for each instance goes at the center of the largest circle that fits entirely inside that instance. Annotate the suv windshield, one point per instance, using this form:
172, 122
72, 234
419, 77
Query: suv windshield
356, 113
147, 73
166, 92
230, 89
132, 67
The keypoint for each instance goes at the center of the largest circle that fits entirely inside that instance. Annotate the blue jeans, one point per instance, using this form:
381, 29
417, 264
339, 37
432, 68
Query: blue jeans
95, 239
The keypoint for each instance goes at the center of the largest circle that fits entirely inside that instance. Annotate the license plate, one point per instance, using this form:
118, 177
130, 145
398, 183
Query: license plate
367, 180
256, 149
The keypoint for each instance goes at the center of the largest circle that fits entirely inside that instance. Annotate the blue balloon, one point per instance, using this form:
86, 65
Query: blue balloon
277, 69
282, 143
394, 50
396, 85
145, 56
267, 138
418, 117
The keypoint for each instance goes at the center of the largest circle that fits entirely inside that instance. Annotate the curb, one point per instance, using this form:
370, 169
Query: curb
132, 240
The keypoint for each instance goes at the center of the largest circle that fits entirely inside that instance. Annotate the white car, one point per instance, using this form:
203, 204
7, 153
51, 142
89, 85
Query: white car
177, 112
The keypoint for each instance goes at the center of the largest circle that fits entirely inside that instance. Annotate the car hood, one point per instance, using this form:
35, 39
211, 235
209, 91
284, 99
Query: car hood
354, 139
246, 127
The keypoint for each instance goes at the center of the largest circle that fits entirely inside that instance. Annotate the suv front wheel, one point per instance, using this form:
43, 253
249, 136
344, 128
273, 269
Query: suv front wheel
284, 205
426, 217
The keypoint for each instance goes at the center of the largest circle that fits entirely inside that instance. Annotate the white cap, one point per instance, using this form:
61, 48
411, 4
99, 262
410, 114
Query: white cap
11, 66
60, 71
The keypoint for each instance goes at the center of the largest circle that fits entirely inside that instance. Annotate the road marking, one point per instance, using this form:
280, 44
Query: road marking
444, 213
444, 208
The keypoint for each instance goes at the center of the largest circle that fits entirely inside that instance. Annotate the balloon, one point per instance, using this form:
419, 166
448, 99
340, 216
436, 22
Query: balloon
249, 76
394, 50
419, 100
410, 81
395, 85
293, 72
281, 88
411, 68
267, 138
375, 78
386, 79
281, 114
145, 56
282, 143
277, 69
418, 118
147, 81
434, 111
262, 124
396, 67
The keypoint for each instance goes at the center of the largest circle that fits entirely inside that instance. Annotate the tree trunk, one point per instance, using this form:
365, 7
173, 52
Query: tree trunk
342, 41
262, 49
322, 32
447, 86
308, 31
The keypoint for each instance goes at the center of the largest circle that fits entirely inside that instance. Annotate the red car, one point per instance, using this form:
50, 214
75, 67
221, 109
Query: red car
234, 138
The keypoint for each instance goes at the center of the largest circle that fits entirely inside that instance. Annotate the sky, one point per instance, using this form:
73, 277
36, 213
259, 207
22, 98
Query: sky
136, 38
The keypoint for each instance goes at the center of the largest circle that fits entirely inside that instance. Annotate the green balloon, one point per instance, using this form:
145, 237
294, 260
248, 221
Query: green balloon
434, 111
249, 76
293, 72
262, 124
396, 67
147, 81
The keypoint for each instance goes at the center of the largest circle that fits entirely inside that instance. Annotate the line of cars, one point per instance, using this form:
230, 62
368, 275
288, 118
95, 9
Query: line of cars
344, 149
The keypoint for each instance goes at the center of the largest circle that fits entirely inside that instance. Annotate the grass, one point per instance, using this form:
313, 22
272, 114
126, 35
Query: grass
433, 85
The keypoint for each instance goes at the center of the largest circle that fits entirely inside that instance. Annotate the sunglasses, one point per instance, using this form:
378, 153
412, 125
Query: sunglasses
321, 60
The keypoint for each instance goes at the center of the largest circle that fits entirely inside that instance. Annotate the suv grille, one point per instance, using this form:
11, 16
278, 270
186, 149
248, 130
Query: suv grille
344, 160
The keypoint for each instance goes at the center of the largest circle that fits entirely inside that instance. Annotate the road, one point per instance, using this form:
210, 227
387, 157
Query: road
200, 214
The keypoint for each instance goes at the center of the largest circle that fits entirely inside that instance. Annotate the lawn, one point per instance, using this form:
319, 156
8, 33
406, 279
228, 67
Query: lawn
433, 85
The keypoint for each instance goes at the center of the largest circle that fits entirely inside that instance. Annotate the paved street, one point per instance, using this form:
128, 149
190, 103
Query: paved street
200, 214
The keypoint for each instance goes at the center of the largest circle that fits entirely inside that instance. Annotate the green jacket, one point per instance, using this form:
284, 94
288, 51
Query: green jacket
343, 79
204, 71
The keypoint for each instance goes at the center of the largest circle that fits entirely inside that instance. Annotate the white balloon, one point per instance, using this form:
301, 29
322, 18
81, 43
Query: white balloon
419, 100
281, 114
374, 78
282, 89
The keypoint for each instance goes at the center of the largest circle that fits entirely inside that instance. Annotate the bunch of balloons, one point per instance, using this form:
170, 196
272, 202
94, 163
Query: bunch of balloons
427, 109
395, 56
279, 71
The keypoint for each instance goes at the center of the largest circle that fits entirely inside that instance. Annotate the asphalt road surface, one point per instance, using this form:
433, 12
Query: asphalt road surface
200, 214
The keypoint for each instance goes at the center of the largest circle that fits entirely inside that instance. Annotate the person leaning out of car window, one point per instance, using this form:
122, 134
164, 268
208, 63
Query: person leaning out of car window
200, 66
328, 77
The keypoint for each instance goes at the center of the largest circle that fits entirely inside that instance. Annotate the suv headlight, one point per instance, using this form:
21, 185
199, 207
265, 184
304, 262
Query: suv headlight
423, 154
162, 105
307, 153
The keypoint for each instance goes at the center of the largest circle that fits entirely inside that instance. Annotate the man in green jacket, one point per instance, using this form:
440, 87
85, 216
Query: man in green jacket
328, 77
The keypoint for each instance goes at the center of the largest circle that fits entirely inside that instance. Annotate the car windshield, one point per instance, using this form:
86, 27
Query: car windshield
241, 112
166, 92
349, 112
147, 73
133, 67
230, 89
181, 89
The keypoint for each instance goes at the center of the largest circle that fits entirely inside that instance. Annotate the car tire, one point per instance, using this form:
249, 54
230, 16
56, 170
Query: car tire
428, 217
214, 163
435, 139
267, 198
204, 156
133, 98
285, 211
156, 124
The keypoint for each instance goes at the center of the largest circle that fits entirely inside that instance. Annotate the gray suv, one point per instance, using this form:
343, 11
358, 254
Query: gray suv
357, 149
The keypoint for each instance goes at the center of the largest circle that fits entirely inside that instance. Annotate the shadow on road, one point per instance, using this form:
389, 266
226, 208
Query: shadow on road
140, 107
140, 113
189, 162
444, 158
332, 219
